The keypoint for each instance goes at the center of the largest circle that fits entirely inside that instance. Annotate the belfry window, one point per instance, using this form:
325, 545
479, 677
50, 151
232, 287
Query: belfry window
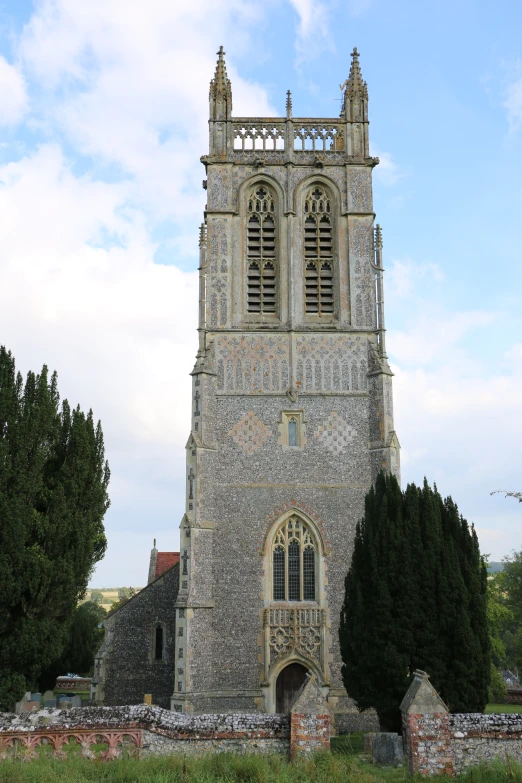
261, 252
318, 253
293, 562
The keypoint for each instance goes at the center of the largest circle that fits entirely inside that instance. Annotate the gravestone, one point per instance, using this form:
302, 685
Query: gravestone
31, 706
36, 697
65, 704
76, 701
49, 704
368, 741
387, 749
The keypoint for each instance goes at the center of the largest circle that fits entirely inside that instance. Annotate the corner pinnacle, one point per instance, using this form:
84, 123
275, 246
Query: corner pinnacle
220, 84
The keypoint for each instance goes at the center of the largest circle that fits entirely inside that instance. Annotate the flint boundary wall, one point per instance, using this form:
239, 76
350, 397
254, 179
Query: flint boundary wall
110, 732
437, 743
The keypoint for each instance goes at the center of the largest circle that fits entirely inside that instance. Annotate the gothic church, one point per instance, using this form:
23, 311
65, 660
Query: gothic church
292, 412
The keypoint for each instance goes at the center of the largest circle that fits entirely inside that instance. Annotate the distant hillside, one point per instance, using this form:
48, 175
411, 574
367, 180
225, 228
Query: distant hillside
494, 568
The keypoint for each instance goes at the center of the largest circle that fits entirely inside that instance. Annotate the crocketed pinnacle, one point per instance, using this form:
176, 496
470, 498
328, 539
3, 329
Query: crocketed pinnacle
288, 103
355, 83
202, 235
378, 236
220, 84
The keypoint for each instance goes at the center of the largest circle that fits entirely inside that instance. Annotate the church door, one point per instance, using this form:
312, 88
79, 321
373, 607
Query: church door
287, 685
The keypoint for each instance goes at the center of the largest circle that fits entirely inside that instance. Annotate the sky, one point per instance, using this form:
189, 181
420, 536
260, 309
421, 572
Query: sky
103, 119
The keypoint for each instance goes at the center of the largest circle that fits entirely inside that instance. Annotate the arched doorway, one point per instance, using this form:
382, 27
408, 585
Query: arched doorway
288, 683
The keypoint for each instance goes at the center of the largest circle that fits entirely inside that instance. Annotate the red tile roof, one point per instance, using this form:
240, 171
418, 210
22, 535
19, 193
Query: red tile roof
165, 560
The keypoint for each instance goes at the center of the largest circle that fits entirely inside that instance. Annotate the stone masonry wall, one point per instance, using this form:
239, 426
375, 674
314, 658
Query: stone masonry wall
437, 743
141, 729
130, 670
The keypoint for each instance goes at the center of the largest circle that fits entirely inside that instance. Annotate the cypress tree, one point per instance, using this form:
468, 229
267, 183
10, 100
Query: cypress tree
53, 496
415, 597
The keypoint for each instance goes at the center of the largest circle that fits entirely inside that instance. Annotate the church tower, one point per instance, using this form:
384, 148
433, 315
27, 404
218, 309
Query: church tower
292, 404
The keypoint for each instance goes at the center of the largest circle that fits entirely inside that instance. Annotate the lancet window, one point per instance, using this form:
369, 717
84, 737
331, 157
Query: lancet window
294, 562
261, 252
318, 253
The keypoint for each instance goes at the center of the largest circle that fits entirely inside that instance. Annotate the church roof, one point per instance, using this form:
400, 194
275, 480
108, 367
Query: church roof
164, 561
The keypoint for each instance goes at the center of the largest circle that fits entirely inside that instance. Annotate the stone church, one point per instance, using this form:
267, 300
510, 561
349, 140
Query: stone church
292, 413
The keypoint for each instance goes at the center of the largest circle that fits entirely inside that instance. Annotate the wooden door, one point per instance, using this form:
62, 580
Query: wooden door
287, 685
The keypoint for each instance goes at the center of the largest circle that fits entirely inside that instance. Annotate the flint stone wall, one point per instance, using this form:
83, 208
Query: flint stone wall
437, 743
477, 738
150, 730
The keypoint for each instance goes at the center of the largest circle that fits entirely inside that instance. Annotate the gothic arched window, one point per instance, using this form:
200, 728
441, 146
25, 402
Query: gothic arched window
293, 562
261, 252
318, 253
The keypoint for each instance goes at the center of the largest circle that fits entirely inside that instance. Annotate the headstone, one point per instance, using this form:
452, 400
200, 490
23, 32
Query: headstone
368, 741
147, 699
49, 704
48, 695
76, 701
65, 704
18, 707
387, 749
31, 706
36, 697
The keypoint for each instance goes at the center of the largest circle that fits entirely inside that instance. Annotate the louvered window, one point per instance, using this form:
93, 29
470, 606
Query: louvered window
293, 562
318, 252
261, 252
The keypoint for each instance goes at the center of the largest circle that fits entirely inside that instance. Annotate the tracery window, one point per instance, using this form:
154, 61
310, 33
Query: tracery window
293, 562
261, 252
318, 253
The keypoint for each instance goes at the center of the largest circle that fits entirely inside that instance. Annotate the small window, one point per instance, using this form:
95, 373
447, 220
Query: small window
292, 429
159, 653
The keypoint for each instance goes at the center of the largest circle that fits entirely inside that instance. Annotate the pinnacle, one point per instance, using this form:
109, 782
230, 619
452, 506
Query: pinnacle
220, 84
355, 82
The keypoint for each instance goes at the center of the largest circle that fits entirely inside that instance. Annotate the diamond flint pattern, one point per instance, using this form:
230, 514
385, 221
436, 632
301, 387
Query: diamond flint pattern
250, 433
335, 434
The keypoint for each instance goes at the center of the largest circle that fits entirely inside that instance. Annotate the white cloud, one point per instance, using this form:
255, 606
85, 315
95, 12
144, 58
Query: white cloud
388, 171
13, 95
313, 32
513, 104
404, 276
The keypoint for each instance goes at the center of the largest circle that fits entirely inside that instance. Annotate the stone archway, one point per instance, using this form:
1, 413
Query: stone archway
288, 683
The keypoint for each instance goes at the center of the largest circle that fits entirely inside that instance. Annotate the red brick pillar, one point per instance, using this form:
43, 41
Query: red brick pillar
425, 729
310, 721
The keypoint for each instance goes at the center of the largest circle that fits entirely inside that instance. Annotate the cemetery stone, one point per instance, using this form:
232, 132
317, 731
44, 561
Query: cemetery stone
387, 748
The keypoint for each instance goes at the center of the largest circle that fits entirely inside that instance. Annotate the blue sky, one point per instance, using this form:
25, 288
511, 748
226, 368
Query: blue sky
103, 109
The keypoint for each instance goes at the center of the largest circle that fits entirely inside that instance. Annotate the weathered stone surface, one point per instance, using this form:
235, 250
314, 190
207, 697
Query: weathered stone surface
386, 748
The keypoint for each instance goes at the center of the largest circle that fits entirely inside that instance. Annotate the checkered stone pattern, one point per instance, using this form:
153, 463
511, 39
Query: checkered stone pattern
335, 434
250, 433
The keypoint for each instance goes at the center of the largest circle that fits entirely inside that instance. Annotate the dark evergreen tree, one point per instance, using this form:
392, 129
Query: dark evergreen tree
415, 597
53, 497
84, 639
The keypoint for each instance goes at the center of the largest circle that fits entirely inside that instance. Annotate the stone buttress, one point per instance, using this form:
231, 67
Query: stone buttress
292, 404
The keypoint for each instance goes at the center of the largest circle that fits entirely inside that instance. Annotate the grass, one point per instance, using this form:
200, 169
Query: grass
502, 708
342, 765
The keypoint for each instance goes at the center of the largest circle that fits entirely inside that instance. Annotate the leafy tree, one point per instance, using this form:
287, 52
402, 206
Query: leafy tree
97, 596
53, 497
415, 597
84, 639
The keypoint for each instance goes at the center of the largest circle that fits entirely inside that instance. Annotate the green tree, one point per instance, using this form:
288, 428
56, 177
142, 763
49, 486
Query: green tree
97, 596
415, 597
53, 497
84, 639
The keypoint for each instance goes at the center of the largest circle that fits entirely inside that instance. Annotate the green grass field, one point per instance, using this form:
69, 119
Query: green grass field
505, 708
345, 764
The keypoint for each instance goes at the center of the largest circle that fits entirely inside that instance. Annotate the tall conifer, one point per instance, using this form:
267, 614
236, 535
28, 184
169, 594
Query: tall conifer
415, 597
53, 496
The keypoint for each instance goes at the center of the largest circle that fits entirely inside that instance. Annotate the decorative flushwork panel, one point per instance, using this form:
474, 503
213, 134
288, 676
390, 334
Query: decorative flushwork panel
335, 434
217, 244
252, 363
250, 433
361, 255
359, 193
334, 363
218, 190
290, 629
